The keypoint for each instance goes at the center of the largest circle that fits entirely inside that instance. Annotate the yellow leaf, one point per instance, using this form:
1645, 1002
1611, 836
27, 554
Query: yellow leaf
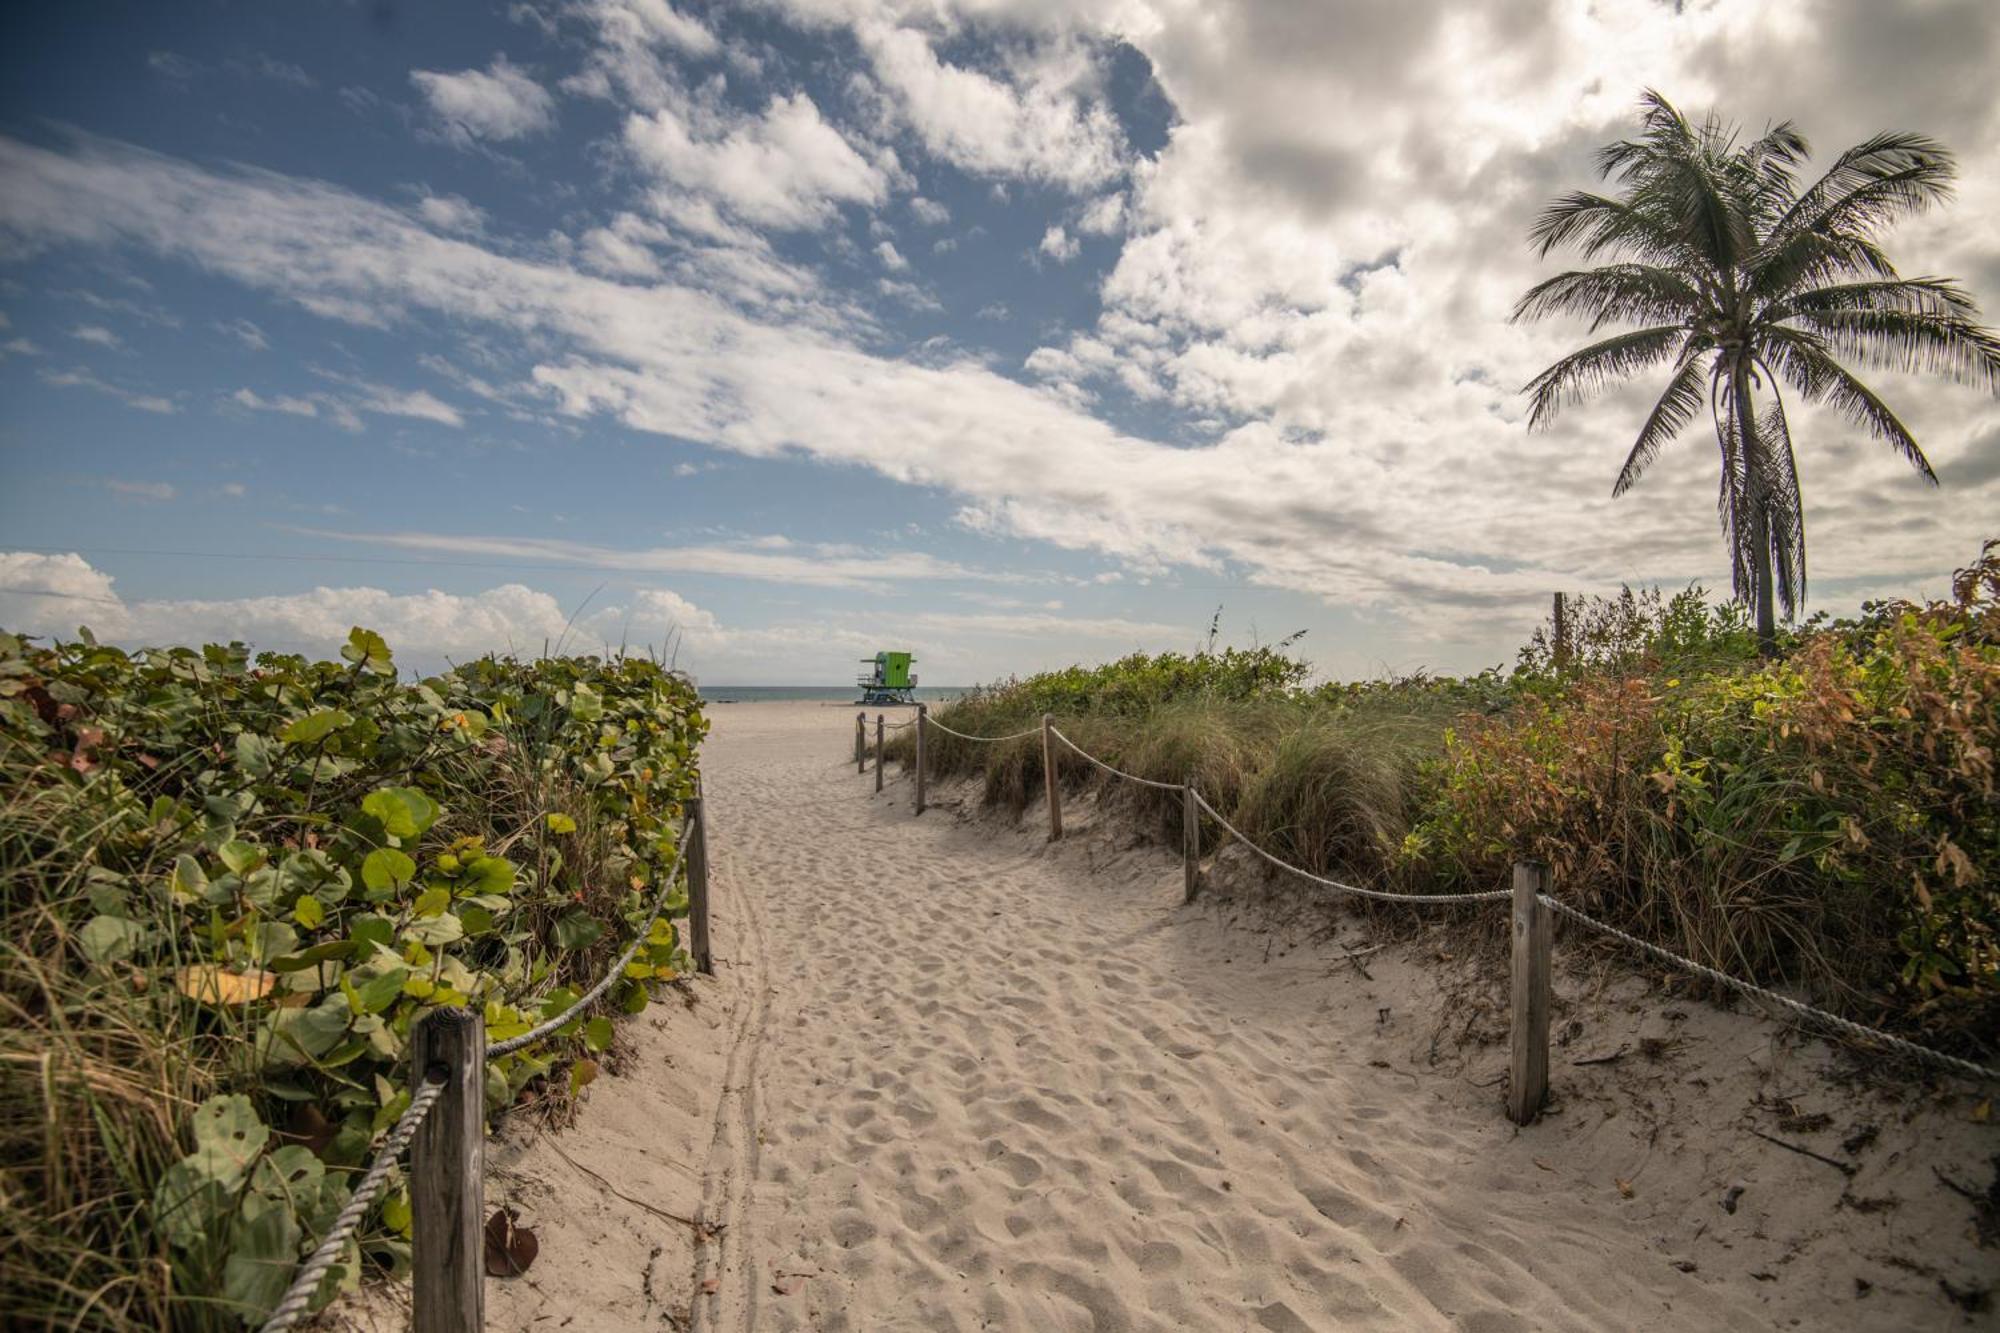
1982, 1112
210, 984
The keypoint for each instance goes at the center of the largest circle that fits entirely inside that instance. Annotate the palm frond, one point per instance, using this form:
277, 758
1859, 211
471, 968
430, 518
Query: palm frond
1805, 361
1784, 510
1939, 296
1670, 415
1586, 371
1612, 293
1877, 180
1948, 345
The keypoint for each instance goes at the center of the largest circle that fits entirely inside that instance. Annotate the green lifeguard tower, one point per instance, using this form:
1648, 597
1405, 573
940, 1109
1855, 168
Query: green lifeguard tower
890, 681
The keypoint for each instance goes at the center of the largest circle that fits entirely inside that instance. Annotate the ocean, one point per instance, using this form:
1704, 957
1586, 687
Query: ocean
830, 694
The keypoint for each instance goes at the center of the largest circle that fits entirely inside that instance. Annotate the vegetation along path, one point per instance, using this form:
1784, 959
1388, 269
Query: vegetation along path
983, 1082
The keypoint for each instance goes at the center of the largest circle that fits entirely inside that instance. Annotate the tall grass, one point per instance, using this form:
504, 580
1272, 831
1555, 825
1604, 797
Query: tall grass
1827, 820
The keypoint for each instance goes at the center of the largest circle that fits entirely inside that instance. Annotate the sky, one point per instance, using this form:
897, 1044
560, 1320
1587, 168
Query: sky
1011, 332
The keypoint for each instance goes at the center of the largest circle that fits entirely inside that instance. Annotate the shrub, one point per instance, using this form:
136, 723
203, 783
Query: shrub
230, 888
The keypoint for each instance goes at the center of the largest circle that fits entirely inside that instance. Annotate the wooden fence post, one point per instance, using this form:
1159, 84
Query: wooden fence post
861, 742
923, 714
1528, 1077
448, 1175
697, 869
1190, 841
878, 752
1049, 777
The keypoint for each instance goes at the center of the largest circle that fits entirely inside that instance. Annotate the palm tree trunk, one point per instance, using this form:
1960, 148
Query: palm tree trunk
1756, 478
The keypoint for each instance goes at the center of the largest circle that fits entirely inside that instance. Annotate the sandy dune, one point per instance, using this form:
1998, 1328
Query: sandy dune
949, 1077
978, 1082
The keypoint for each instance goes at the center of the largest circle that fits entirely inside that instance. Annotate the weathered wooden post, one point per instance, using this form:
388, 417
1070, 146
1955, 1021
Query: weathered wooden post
697, 872
878, 752
448, 1175
1049, 777
1528, 1077
1190, 841
861, 742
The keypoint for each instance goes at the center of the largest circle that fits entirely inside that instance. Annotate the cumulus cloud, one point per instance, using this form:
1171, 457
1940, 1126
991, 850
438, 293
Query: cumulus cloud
49, 595
1059, 245
498, 103
784, 167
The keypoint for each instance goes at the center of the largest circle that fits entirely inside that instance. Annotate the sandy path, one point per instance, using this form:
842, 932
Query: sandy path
977, 1082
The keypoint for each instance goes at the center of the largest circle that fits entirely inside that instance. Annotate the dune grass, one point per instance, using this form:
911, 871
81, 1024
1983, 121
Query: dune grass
1824, 820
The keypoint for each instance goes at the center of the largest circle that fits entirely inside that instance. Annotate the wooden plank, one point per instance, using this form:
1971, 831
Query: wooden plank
1190, 842
861, 742
1049, 782
697, 873
1528, 1075
878, 751
448, 1175
923, 716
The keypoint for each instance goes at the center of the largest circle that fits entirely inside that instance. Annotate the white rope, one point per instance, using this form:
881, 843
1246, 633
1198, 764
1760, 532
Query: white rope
1424, 899
962, 736
569, 1015
1847, 1027
292, 1307
1115, 772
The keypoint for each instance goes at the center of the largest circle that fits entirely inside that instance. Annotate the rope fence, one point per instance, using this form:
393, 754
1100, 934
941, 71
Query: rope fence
448, 1054
1533, 913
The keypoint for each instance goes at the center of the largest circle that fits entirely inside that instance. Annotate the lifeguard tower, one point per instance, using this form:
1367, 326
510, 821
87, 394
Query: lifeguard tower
890, 681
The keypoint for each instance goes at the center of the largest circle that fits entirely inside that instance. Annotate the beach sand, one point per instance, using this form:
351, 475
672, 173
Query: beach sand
951, 1077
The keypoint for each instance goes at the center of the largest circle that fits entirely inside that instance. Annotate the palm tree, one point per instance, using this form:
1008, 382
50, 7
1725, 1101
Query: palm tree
1744, 284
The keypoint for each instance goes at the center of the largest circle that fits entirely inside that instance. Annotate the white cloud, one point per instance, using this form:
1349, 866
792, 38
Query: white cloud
1103, 216
293, 406
1039, 122
246, 333
929, 211
451, 212
95, 333
498, 103
83, 379
785, 167
892, 259
344, 408
1059, 245
140, 490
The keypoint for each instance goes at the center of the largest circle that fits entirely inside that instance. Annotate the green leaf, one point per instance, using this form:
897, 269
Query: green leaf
316, 726
432, 901
385, 870
369, 651
370, 932
107, 939
228, 1137
597, 1033
477, 920
585, 705
309, 912
189, 882
300, 1036
375, 985
491, 874
263, 1254
188, 1205
561, 823
313, 957
404, 811
577, 930
435, 930
241, 857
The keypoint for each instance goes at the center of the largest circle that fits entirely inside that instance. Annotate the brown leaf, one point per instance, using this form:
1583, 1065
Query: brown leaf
510, 1248
211, 984
1624, 1188
1544, 1165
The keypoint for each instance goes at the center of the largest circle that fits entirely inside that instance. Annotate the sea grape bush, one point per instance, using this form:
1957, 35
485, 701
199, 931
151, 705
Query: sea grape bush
231, 887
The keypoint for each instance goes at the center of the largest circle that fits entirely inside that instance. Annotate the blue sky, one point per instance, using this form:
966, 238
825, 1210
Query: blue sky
1014, 333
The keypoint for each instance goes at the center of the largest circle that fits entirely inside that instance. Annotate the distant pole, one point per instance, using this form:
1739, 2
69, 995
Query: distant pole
1190, 841
1528, 1076
878, 752
1049, 777
923, 716
861, 742
1559, 653
697, 870
448, 1175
